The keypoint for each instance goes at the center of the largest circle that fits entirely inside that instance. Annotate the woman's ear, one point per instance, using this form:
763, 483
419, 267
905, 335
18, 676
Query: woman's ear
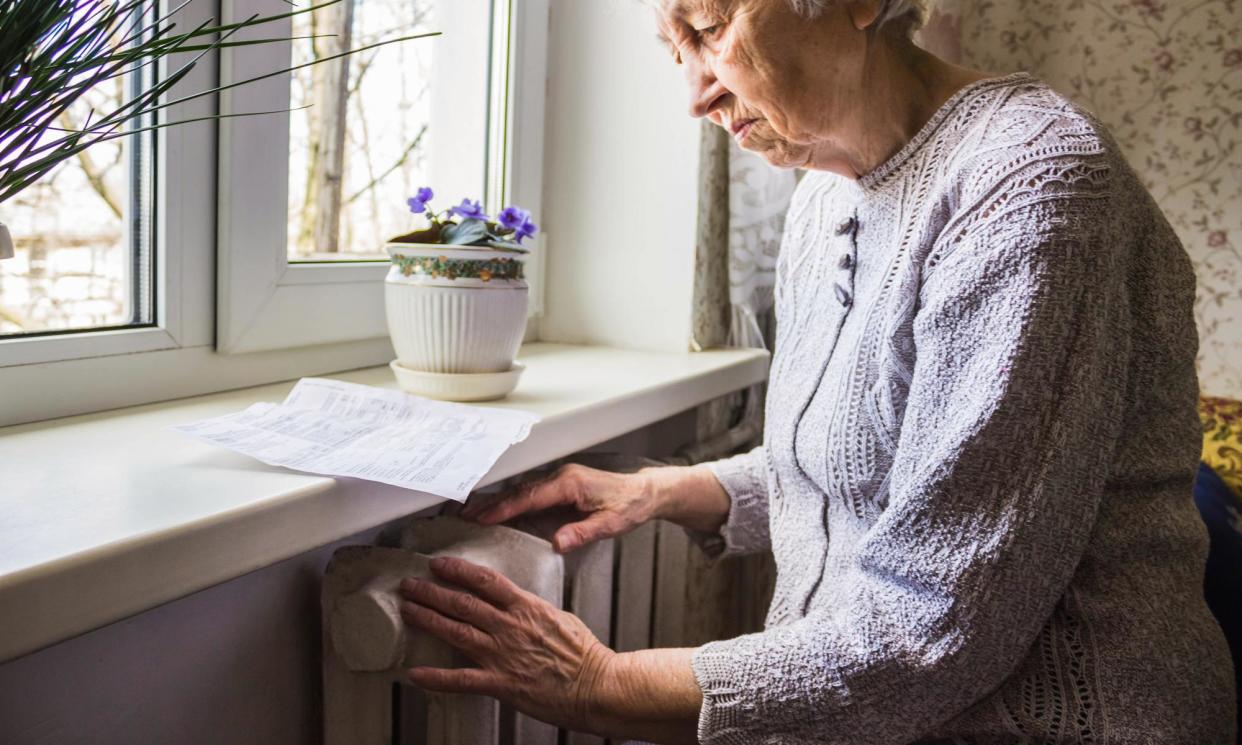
865, 13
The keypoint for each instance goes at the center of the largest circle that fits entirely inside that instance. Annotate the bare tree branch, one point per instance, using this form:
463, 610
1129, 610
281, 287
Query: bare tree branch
95, 175
409, 150
332, 103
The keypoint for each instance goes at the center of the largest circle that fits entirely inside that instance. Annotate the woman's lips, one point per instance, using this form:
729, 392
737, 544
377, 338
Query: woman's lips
741, 128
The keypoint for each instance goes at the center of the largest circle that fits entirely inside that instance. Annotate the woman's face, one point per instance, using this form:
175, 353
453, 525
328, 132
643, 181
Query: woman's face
775, 80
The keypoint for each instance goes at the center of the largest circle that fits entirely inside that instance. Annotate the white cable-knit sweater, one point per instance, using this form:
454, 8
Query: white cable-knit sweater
980, 452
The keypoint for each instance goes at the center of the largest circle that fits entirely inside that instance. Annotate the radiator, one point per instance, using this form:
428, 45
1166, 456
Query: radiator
629, 592
367, 648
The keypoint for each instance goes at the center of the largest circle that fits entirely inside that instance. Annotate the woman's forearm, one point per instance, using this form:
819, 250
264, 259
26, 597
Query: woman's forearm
651, 695
689, 496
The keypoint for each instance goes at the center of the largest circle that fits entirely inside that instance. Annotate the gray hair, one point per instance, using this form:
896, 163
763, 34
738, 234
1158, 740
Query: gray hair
906, 15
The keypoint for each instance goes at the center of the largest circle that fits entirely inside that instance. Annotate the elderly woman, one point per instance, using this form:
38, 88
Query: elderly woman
981, 432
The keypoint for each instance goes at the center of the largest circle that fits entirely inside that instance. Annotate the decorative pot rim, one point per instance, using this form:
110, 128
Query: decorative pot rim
460, 266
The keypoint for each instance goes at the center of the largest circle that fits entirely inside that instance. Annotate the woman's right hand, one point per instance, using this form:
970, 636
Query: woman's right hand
612, 504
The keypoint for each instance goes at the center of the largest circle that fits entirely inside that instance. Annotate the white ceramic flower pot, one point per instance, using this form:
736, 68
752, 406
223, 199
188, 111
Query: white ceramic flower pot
456, 309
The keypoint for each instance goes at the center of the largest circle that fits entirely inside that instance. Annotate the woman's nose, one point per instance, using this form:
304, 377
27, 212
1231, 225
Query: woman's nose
705, 90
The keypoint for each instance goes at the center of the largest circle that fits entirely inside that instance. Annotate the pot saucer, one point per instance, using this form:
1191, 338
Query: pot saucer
463, 387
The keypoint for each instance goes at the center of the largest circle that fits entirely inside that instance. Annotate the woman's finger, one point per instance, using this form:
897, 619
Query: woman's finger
462, 680
596, 526
460, 605
529, 497
479, 502
488, 584
454, 633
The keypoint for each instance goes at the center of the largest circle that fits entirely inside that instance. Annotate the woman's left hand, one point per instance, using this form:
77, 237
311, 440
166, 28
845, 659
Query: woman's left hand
531, 655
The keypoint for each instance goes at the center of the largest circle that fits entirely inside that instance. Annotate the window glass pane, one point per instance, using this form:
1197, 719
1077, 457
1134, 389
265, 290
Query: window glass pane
82, 233
362, 145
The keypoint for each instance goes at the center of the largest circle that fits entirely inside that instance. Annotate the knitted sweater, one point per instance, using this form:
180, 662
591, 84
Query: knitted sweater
979, 456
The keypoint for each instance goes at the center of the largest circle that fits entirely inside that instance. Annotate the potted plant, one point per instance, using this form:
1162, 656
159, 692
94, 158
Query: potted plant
456, 298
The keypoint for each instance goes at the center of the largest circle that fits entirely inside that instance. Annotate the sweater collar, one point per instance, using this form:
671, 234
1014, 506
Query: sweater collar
893, 167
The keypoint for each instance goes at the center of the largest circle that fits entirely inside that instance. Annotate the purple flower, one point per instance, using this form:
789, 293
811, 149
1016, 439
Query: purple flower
513, 217
418, 203
468, 210
526, 230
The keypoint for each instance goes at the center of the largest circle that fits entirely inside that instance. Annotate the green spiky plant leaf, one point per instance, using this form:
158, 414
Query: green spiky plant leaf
53, 51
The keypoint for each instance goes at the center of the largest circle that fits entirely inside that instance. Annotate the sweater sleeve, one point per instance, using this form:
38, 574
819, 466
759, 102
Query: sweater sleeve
1013, 410
744, 478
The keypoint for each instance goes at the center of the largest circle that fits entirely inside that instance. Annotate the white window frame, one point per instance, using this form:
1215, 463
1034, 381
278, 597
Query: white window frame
522, 147
46, 377
264, 301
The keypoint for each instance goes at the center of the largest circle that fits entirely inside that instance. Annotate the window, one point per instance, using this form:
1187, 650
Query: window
84, 233
359, 136
303, 232
204, 288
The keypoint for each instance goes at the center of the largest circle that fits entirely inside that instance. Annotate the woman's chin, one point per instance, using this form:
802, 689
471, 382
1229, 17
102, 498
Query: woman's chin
776, 156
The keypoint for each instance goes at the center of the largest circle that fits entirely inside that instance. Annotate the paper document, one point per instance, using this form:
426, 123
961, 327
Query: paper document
343, 429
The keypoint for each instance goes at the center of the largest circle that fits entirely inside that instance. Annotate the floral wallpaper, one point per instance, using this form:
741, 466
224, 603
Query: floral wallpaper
1166, 77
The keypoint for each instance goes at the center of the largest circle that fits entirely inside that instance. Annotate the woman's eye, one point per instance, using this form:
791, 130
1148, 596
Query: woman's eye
710, 32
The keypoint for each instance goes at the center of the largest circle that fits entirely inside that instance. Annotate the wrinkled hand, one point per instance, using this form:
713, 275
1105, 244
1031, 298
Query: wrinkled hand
531, 655
613, 504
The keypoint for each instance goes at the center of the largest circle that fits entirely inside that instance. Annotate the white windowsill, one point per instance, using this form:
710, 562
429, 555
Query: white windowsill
107, 515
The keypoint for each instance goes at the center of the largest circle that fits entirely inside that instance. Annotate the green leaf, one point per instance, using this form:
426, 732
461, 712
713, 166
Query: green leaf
466, 233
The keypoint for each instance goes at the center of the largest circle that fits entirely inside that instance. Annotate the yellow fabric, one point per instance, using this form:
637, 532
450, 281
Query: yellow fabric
1222, 438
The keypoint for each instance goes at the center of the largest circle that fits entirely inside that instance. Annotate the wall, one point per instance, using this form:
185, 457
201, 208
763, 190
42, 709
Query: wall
235, 664
1166, 77
620, 181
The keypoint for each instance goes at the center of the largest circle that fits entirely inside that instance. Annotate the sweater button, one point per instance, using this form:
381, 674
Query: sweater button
847, 226
846, 261
843, 296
